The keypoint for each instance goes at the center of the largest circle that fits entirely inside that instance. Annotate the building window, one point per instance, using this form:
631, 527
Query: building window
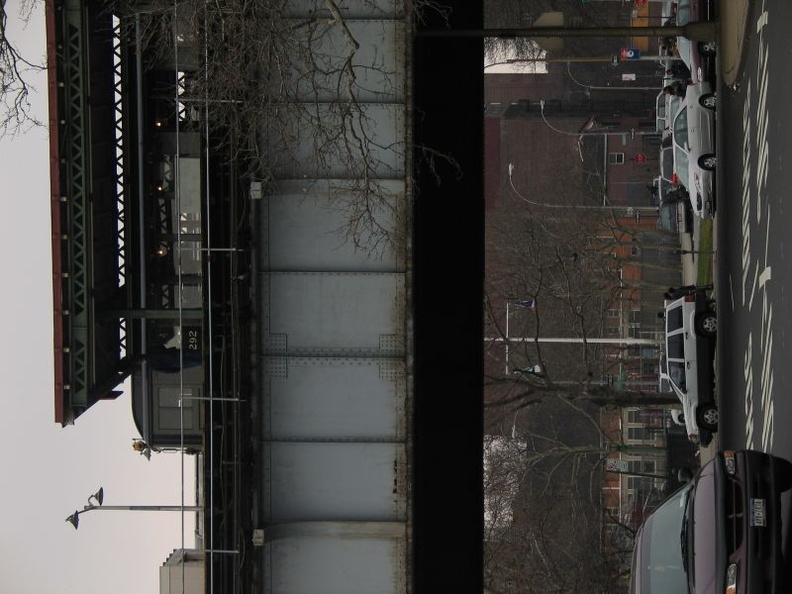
640, 483
638, 433
616, 158
637, 416
645, 466
635, 351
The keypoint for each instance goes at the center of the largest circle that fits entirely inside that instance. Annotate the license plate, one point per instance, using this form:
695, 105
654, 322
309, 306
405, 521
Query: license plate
758, 514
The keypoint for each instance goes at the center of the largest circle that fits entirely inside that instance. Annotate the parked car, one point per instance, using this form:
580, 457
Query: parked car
698, 56
720, 532
691, 326
693, 141
666, 107
665, 191
669, 188
678, 417
668, 217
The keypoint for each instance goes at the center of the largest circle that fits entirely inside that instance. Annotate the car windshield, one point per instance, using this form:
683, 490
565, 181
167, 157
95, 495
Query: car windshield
683, 13
681, 128
674, 319
681, 165
659, 562
660, 108
667, 163
674, 102
683, 17
676, 371
704, 568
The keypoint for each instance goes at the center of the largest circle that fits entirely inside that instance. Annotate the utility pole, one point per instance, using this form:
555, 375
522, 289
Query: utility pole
575, 340
704, 31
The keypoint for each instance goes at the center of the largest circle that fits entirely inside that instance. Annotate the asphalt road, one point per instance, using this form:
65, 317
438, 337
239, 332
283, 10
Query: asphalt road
754, 234
754, 240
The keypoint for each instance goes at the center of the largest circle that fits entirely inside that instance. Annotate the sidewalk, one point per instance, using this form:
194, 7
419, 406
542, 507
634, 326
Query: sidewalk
733, 15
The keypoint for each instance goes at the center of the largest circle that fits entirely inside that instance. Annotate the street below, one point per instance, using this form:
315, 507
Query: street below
753, 280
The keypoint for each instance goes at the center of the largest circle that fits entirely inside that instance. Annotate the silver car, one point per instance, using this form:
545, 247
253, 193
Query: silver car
666, 107
693, 133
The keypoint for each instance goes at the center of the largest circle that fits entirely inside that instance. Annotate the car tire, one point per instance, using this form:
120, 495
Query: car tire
783, 474
707, 324
708, 417
708, 101
708, 48
708, 161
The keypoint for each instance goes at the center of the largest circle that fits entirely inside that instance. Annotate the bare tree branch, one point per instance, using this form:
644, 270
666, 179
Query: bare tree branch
16, 110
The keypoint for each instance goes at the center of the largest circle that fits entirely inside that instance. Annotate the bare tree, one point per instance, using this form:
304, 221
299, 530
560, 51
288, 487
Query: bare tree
570, 262
545, 514
16, 111
290, 96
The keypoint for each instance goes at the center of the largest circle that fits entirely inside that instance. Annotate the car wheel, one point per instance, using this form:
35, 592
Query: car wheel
708, 161
783, 474
708, 417
709, 101
707, 324
708, 48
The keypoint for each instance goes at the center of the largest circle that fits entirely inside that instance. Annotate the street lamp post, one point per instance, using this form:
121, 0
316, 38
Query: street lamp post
606, 88
577, 340
74, 519
696, 31
605, 208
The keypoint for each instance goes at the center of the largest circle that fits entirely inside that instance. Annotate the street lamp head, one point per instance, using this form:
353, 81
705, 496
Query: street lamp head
74, 519
99, 496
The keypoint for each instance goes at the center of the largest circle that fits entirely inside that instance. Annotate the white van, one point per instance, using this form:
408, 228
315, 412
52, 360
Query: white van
691, 326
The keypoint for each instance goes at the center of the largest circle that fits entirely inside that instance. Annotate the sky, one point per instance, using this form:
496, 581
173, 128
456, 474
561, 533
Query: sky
508, 61
49, 471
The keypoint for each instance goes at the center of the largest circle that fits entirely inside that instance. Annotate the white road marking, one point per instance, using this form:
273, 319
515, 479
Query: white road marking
762, 21
748, 379
756, 209
765, 276
746, 192
766, 379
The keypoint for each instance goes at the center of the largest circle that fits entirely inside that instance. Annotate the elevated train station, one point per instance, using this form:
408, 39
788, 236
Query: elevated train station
253, 333
146, 238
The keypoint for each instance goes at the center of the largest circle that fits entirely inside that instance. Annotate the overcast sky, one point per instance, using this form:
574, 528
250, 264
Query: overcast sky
49, 471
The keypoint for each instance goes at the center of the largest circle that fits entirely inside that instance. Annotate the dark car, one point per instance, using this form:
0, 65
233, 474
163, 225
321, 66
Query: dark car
720, 533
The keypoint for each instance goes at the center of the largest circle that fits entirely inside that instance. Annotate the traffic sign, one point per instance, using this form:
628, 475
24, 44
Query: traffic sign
616, 465
630, 53
640, 158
